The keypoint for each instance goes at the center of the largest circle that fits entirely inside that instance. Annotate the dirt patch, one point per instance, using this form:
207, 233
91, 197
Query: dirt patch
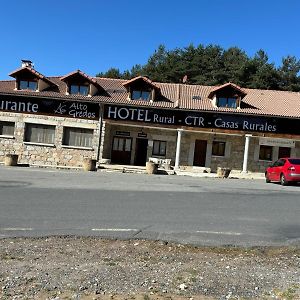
94, 268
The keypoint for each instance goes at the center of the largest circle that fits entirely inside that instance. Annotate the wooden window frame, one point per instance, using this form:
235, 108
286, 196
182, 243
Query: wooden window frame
218, 148
141, 91
81, 137
43, 139
27, 85
265, 153
124, 143
8, 124
79, 86
227, 100
159, 148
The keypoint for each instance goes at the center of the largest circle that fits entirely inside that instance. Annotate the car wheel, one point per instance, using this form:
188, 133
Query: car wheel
283, 180
267, 178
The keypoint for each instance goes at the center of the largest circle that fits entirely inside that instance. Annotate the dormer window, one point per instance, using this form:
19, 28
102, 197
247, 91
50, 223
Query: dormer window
228, 95
79, 83
28, 85
230, 102
141, 95
79, 89
28, 79
142, 88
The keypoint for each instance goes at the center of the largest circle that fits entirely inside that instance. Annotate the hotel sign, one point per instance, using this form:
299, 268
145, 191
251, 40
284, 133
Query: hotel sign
277, 142
202, 119
70, 109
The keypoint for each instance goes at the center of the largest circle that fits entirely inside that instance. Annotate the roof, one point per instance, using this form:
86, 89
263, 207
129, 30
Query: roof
143, 78
83, 75
226, 85
171, 96
34, 72
80, 73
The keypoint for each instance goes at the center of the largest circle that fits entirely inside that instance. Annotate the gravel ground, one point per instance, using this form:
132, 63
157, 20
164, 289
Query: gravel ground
94, 268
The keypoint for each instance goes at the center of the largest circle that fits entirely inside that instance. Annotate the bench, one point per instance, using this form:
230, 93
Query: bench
161, 162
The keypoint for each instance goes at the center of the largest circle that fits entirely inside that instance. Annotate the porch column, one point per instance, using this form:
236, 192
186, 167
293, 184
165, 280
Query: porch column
246, 151
178, 145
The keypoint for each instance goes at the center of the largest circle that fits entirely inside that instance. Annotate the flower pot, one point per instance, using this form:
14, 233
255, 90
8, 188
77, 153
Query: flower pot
223, 172
151, 168
11, 160
89, 164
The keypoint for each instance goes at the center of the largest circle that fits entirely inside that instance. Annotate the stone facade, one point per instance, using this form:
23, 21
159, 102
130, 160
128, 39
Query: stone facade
47, 155
116, 122
152, 134
57, 155
234, 152
234, 147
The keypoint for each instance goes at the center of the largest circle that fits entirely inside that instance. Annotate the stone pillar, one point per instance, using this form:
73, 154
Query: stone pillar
246, 151
178, 145
101, 140
101, 134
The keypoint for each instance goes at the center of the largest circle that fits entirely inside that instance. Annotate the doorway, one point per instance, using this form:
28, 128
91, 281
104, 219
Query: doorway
121, 150
284, 152
200, 153
141, 152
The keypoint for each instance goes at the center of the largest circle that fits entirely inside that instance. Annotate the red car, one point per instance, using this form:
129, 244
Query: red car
284, 170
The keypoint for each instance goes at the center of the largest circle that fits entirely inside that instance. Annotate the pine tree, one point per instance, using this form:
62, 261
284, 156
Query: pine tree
212, 65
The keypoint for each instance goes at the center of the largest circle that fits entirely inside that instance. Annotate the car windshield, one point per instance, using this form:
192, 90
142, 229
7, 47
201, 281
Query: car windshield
294, 161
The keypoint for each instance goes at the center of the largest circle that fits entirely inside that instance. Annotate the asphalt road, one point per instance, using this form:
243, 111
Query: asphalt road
201, 211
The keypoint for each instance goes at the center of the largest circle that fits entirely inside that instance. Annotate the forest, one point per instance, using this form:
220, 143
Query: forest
213, 65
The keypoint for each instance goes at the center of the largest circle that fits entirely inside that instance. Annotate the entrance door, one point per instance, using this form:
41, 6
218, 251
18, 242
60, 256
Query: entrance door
284, 152
121, 150
141, 152
200, 153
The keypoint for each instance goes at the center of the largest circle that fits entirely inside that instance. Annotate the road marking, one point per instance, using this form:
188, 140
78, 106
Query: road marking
16, 229
114, 229
220, 232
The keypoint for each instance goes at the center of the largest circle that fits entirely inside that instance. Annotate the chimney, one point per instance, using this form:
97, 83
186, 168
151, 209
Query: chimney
185, 79
27, 63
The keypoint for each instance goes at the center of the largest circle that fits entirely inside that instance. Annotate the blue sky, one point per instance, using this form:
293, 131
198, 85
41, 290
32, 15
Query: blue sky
62, 36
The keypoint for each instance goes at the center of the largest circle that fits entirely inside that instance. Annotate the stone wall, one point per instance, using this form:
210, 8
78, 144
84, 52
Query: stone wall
234, 152
54, 155
106, 141
61, 155
152, 134
234, 149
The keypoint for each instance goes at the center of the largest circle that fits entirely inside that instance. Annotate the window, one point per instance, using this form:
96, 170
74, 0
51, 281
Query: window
140, 95
265, 152
122, 144
159, 148
28, 85
79, 90
78, 137
39, 133
227, 102
7, 128
284, 152
218, 148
